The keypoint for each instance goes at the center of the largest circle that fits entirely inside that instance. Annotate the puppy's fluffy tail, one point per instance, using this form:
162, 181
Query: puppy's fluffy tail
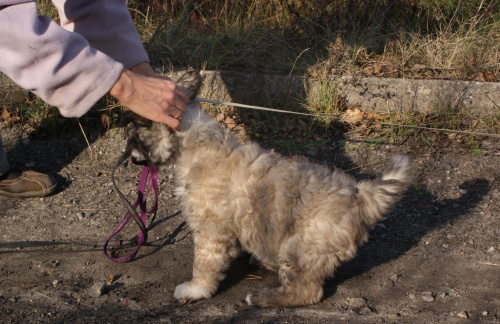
376, 197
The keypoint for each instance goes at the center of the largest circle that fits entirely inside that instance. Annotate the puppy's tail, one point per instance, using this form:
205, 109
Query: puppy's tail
378, 196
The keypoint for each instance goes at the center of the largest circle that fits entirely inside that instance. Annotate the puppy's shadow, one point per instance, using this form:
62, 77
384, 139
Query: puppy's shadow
414, 217
238, 271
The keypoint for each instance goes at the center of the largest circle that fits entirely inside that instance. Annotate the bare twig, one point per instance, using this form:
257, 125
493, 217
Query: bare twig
490, 264
160, 25
42, 294
86, 140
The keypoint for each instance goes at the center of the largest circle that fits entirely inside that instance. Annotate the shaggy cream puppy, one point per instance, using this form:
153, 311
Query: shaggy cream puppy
295, 217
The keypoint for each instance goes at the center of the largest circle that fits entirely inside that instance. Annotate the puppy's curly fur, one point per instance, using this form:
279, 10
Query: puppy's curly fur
296, 217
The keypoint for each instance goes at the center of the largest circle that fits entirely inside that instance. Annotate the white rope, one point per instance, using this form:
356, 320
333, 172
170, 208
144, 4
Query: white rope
217, 102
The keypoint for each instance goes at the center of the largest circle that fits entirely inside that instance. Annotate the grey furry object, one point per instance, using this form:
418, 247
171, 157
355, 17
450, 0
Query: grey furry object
294, 216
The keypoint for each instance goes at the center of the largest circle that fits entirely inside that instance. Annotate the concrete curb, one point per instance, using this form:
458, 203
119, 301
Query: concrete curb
383, 94
368, 93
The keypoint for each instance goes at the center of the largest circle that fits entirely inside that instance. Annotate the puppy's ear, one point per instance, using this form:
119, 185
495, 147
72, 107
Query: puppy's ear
190, 82
128, 117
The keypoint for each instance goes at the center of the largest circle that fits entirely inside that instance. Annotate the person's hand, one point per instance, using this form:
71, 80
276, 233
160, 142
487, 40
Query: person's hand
152, 97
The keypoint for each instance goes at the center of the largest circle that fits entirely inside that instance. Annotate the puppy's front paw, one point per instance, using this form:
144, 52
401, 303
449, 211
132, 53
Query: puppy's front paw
187, 292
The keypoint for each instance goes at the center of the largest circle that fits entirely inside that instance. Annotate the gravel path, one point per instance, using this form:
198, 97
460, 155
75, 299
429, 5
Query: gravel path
434, 259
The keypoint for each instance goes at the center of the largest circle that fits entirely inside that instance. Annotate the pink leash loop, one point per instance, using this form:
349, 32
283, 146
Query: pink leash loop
142, 195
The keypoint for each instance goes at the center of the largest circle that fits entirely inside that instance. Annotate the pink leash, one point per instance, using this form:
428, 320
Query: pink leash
144, 189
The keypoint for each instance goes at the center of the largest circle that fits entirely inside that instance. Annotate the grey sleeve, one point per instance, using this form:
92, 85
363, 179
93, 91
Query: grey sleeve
59, 66
107, 26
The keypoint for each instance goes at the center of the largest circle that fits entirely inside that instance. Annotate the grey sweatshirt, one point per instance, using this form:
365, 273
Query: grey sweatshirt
73, 65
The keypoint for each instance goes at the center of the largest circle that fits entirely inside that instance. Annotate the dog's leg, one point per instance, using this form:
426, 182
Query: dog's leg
296, 289
212, 256
302, 271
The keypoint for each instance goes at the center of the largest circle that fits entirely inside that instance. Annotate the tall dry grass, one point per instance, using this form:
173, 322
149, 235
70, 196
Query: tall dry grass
400, 38
454, 37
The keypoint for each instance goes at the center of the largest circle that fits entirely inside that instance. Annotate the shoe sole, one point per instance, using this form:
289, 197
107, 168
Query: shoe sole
30, 194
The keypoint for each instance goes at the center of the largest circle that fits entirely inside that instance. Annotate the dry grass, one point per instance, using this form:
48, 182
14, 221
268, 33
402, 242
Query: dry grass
396, 38
454, 38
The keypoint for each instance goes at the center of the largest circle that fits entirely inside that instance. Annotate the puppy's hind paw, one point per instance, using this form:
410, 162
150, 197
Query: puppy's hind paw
258, 298
187, 293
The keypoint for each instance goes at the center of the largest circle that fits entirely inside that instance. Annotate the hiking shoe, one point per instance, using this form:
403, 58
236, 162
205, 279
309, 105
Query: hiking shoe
23, 184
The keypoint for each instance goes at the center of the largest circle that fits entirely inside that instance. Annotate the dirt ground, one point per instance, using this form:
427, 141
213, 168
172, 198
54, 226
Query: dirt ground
435, 259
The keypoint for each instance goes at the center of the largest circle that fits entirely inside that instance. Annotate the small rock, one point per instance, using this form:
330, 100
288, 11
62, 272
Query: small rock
394, 277
364, 311
491, 250
463, 315
427, 296
132, 304
97, 290
356, 303
446, 165
359, 305
485, 313
80, 215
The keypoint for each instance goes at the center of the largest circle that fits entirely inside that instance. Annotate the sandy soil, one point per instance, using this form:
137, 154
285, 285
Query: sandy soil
434, 259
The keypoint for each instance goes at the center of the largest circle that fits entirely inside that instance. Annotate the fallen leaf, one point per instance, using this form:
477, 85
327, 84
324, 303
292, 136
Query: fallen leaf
5, 115
219, 117
302, 124
111, 279
418, 67
487, 76
368, 70
353, 115
230, 123
105, 120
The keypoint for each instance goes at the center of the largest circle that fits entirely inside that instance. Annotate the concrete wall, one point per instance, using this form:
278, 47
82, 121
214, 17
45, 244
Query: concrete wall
367, 93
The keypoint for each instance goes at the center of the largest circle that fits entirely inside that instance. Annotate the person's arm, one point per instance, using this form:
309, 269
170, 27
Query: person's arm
65, 71
107, 26
59, 66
